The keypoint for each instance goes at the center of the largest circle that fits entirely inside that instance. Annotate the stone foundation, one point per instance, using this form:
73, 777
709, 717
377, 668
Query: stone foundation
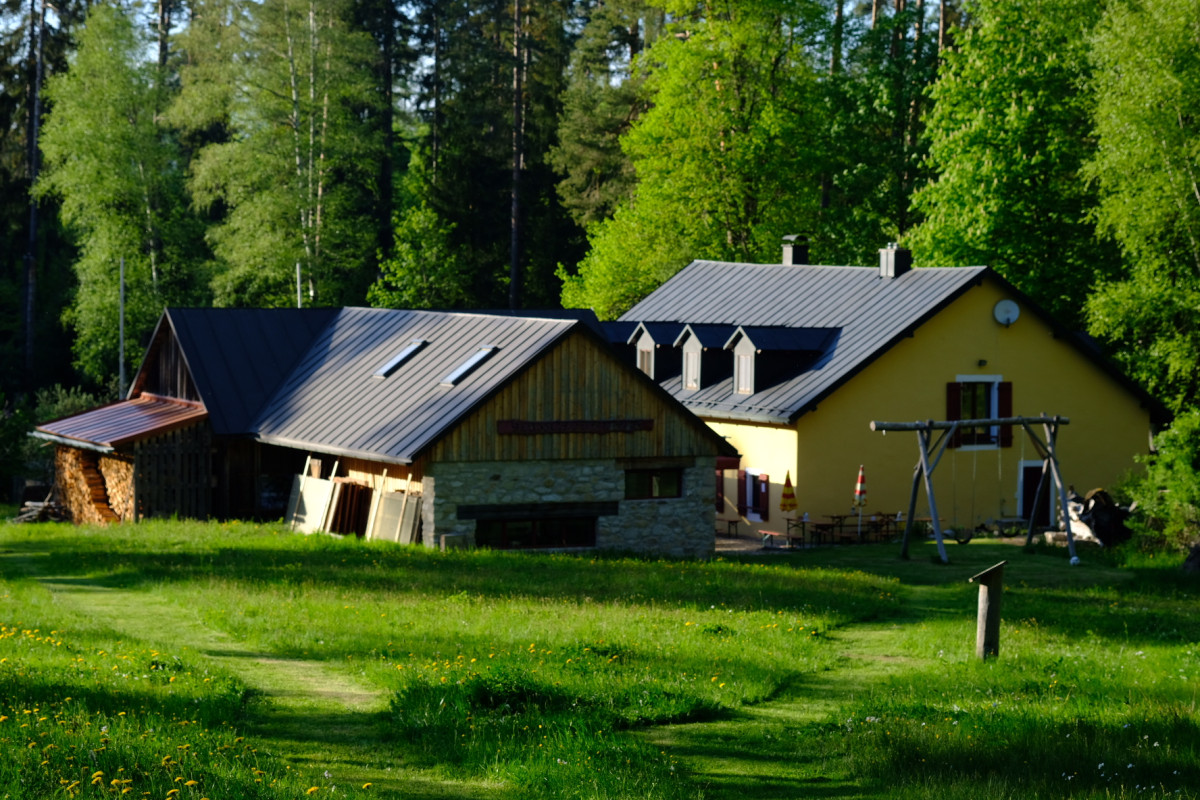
680, 527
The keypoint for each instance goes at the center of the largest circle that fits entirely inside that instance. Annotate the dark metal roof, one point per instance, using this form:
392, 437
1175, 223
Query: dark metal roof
789, 339
109, 427
238, 356
659, 333
584, 315
713, 336
871, 312
616, 331
331, 403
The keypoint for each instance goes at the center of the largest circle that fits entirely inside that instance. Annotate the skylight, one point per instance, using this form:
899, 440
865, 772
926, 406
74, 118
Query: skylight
467, 366
401, 357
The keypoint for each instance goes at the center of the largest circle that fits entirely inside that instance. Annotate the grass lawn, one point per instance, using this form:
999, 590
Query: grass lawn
187, 660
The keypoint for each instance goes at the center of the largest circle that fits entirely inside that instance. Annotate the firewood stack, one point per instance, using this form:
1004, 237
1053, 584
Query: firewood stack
81, 486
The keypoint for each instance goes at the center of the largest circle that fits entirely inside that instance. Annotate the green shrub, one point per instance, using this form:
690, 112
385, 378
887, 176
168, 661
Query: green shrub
1168, 494
14, 423
36, 458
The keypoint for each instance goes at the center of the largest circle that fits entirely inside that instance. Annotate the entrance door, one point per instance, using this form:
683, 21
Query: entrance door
1031, 473
755, 489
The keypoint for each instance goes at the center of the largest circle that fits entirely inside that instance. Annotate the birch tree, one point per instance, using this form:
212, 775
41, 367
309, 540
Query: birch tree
119, 177
292, 172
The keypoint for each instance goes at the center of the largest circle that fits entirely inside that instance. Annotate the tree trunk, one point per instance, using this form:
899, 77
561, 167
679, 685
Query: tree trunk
835, 38
436, 125
387, 163
297, 150
37, 31
165, 7
514, 254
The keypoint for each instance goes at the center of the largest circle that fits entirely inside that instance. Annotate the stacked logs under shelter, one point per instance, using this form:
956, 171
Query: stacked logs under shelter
94, 488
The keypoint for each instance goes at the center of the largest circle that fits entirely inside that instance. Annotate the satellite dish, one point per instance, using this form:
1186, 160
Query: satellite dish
1006, 312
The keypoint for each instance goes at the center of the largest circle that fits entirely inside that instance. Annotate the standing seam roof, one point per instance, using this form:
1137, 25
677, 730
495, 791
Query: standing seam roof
871, 311
331, 402
238, 356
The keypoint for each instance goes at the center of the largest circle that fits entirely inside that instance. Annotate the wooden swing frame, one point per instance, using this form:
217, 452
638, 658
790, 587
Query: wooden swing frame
932, 450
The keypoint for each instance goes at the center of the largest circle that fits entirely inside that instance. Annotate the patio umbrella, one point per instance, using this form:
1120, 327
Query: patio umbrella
860, 497
788, 501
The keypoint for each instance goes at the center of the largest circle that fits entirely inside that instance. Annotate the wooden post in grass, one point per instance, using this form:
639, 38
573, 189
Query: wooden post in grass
987, 624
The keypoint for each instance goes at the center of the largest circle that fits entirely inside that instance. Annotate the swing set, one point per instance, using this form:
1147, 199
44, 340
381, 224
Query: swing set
932, 450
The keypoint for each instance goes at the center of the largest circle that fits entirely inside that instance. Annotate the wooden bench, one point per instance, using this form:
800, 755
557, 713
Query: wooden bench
771, 539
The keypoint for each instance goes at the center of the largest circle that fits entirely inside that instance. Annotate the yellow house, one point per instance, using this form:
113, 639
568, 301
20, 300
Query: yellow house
792, 363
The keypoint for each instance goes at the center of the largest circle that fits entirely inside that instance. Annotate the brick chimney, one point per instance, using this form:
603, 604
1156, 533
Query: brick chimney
894, 261
795, 249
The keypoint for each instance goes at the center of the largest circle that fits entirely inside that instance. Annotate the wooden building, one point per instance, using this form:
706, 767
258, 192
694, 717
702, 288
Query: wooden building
500, 430
791, 363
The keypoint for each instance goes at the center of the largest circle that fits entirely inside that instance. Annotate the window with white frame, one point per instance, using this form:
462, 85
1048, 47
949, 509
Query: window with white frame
691, 369
980, 397
743, 373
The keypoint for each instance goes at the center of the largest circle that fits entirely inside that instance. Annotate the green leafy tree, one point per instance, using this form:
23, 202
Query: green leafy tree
119, 177
292, 83
425, 268
874, 145
1147, 169
1168, 493
1010, 132
725, 158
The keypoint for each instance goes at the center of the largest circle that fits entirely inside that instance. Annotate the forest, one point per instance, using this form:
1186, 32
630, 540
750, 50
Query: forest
537, 153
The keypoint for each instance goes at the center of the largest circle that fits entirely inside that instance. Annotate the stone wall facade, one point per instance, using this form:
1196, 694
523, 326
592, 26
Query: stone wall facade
681, 527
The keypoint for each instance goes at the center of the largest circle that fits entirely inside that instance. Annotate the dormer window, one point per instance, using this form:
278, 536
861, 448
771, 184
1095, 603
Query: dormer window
691, 369
646, 360
657, 357
743, 373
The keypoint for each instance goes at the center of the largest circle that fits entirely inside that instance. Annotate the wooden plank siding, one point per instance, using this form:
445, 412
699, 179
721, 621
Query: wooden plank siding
577, 380
173, 474
372, 474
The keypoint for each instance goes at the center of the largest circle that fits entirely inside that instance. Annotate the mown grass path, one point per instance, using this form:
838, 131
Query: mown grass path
755, 752
763, 752
313, 714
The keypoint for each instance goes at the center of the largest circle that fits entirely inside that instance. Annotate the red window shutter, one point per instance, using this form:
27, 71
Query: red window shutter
764, 496
720, 502
954, 410
741, 505
1004, 408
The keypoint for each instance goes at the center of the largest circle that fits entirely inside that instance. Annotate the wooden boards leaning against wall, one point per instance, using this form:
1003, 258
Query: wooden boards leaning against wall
348, 506
396, 516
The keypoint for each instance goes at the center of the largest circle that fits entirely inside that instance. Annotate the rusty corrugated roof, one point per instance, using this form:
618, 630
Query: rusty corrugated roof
110, 427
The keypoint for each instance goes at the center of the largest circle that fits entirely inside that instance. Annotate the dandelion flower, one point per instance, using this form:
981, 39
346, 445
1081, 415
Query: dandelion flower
313, 790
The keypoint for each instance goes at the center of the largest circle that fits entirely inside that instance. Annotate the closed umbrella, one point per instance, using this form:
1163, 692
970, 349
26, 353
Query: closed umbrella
860, 497
788, 501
